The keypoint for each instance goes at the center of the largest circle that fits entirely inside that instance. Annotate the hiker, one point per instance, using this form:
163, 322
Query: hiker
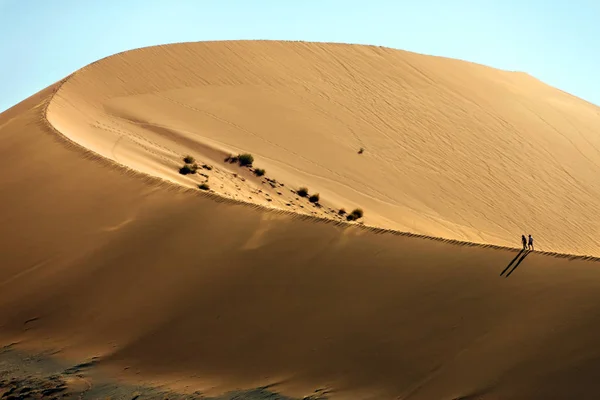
530, 243
524, 240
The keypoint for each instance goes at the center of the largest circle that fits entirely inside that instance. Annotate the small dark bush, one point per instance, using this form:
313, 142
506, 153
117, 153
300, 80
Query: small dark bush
231, 159
188, 169
245, 160
314, 198
259, 172
204, 186
342, 211
207, 167
185, 170
189, 160
361, 151
350, 217
302, 192
357, 213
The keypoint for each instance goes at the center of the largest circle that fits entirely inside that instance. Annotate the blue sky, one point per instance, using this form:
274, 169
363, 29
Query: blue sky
557, 41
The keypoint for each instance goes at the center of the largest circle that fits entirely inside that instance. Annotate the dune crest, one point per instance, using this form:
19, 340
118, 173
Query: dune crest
159, 283
451, 149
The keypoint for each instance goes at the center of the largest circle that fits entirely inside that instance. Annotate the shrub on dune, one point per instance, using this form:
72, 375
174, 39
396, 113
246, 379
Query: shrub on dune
203, 186
189, 159
231, 159
357, 213
314, 198
245, 159
302, 192
259, 172
188, 169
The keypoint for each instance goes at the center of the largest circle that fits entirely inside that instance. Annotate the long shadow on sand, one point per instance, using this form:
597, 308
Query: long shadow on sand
523, 253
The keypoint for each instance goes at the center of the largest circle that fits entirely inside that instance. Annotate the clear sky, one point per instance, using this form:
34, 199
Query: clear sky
557, 41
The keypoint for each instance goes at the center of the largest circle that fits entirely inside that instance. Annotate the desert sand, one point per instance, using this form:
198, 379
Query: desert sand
108, 253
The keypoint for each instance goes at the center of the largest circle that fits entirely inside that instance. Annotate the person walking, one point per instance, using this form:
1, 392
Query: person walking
530, 243
524, 240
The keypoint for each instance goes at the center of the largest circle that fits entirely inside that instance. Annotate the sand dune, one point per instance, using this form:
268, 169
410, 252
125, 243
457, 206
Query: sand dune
452, 149
169, 284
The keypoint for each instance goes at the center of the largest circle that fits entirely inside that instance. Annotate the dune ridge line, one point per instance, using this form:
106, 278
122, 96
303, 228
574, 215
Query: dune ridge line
91, 154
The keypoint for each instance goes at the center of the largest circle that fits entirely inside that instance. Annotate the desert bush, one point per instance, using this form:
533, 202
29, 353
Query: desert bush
188, 169
189, 159
350, 217
245, 159
259, 172
342, 211
231, 159
314, 198
357, 213
204, 186
302, 192
361, 151
207, 167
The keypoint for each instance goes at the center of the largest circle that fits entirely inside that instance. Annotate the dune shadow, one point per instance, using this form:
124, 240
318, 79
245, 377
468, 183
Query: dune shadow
518, 262
512, 261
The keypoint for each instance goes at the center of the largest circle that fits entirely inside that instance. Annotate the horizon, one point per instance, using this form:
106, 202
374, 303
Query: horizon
547, 42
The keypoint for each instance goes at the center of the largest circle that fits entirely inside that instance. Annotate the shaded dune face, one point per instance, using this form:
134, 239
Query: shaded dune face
179, 285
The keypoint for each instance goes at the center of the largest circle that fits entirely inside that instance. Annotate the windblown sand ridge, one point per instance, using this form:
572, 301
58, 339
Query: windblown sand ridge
171, 285
452, 149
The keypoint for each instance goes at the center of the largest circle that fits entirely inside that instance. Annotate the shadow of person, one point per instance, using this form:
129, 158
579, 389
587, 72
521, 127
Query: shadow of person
518, 262
513, 260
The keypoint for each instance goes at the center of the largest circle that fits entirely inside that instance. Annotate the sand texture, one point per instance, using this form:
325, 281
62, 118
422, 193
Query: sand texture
108, 253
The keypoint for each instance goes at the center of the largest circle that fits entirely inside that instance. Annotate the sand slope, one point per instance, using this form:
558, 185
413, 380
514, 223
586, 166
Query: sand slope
174, 285
452, 149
